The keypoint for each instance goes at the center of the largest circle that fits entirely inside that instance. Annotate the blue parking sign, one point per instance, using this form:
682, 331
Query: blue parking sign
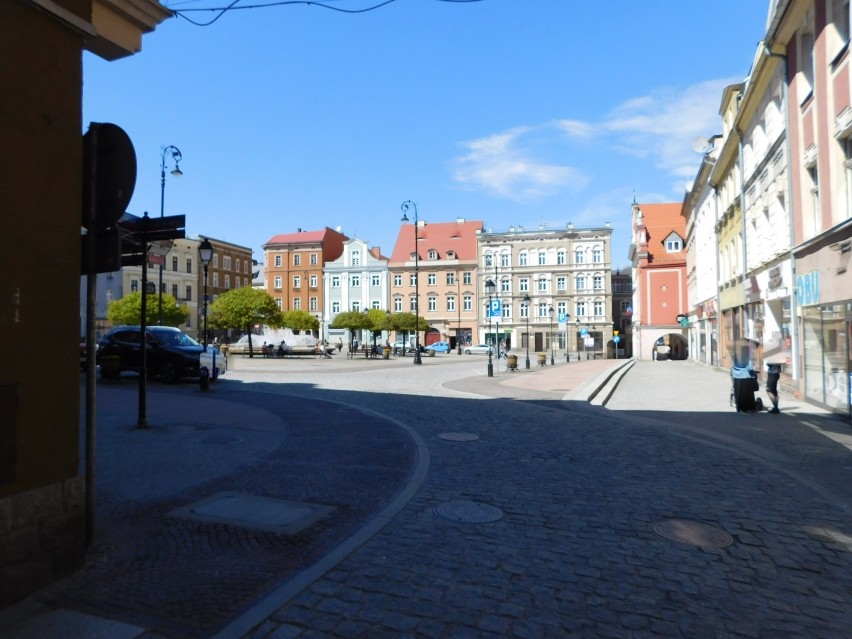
496, 308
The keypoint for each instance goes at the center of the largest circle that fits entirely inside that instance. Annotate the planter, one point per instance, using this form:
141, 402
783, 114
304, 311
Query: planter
430, 353
512, 362
542, 359
386, 352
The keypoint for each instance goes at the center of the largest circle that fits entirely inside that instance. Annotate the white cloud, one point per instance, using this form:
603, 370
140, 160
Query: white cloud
497, 165
576, 128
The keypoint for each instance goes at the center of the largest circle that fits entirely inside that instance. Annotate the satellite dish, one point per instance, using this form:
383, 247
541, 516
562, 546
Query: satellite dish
701, 144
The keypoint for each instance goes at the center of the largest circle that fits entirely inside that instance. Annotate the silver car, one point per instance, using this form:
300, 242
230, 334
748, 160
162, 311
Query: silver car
477, 349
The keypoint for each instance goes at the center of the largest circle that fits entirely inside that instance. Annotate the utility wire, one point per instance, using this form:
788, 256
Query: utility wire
180, 13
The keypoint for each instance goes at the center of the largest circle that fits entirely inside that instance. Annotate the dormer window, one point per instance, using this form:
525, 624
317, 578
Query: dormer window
451, 255
673, 243
433, 254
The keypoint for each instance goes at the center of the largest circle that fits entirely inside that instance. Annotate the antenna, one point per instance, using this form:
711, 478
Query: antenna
701, 144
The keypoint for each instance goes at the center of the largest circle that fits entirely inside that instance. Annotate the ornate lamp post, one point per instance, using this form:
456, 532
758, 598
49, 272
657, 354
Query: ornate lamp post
550, 312
578, 339
177, 157
405, 206
567, 351
205, 253
526, 302
490, 289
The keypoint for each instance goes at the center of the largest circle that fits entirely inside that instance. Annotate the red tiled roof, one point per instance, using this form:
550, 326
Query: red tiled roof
661, 220
306, 237
442, 237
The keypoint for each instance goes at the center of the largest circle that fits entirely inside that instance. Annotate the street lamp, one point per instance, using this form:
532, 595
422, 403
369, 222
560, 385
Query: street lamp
177, 157
490, 289
526, 302
205, 253
578, 339
405, 206
567, 351
550, 311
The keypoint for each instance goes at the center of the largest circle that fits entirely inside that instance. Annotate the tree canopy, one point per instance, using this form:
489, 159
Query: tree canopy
128, 310
244, 307
299, 320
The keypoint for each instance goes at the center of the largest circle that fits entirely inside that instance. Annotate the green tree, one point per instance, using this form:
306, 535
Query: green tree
128, 310
408, 323
352, 321
299, 320
241, 308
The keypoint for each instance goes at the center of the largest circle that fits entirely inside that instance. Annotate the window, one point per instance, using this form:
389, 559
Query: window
599, 309
560, 256
580, 283
561, 283
277, 260
432, 304
433, 254
581, 309
189, 321
226, 262
525, 311
227, 280
375, 305
467, 303
335, 308
506, 285
522, 258
375, 280
297, 260
466, 278
542, 285
278, 303
542, 309
579, 256
451, 279
237, 280
412, 281
297, 281
847, 154
215, 260
237, 266
277, 283
451, 302
188, 265
134, 285
188, 297
297, 303
597, 256
216, 280
597, 282
354, 281
673, 245
524, 285
245, 266
412, 304
335, 281
840, 22
806, 64
174, 263
313, 259
397, 280
397, 305
504, 259
312, 304
356, 258
507, 311
488, 260
562, 308
432, 279
542, 258
175, 291
356, 306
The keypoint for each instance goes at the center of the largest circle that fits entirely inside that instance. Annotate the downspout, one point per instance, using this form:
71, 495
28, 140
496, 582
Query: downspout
794, 314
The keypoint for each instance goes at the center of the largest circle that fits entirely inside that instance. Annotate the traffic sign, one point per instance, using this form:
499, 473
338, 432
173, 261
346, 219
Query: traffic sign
616, 339
496, 309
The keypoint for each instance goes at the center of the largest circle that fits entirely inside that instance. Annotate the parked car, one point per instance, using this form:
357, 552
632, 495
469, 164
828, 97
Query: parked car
170, 353
397, 347
439, 347
478, 348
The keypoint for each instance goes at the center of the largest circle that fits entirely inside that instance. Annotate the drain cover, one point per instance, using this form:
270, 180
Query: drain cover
694, 533
468, 512
459, 437
252, 511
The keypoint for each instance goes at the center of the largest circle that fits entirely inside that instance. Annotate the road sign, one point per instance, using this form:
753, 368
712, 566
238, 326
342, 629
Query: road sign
616, 339
584, 331
496, 309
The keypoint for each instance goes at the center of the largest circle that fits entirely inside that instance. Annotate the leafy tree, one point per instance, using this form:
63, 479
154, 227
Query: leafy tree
299, 320
128, 310
352, 321
408, 323
243, 307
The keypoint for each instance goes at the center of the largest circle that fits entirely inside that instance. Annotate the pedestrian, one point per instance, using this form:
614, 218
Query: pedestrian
772, 376
339, 344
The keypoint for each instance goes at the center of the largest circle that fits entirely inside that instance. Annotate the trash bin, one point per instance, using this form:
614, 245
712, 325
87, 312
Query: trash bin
386, 352
512, 362
542, 359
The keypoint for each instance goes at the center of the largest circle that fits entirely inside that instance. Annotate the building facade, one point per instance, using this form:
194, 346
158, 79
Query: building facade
445, 262
229, 268
553, 290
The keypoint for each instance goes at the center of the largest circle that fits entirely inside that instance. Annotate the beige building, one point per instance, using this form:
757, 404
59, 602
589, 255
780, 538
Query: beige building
565, 274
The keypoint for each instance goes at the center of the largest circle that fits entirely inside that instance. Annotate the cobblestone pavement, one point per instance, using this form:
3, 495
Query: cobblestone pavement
588, 497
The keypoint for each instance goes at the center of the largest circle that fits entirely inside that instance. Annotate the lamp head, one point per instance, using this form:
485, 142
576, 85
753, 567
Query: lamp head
527, 300
176, 171
205, 251
490, 287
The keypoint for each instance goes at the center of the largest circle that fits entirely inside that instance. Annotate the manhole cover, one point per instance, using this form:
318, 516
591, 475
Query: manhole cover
693, 533
252, 511
468, 512
459, 437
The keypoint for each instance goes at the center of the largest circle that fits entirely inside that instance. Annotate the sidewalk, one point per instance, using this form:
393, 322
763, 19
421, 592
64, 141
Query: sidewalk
380, 460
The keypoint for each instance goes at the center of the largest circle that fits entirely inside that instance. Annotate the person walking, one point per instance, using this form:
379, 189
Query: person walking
772, 376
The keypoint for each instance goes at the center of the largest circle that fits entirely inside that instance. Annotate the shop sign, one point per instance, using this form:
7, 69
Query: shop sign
807, 289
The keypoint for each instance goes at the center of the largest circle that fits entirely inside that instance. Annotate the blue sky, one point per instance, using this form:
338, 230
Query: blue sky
513, 112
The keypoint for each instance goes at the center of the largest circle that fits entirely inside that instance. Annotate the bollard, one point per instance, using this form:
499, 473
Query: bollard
204, 378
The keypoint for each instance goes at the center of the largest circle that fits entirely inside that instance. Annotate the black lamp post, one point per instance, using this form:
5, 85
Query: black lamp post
458, 305
177, 157
205, 253
578, 339
490, 289
526, 302
567, 350
405, 206
550, 311
388, 326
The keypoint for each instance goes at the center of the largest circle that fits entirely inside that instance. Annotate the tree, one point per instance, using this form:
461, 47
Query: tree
299, 320
243, 307
128, 310
352, 321
408, 323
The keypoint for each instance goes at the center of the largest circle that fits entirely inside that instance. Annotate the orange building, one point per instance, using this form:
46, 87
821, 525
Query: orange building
658, 254
446, 261
294, 267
